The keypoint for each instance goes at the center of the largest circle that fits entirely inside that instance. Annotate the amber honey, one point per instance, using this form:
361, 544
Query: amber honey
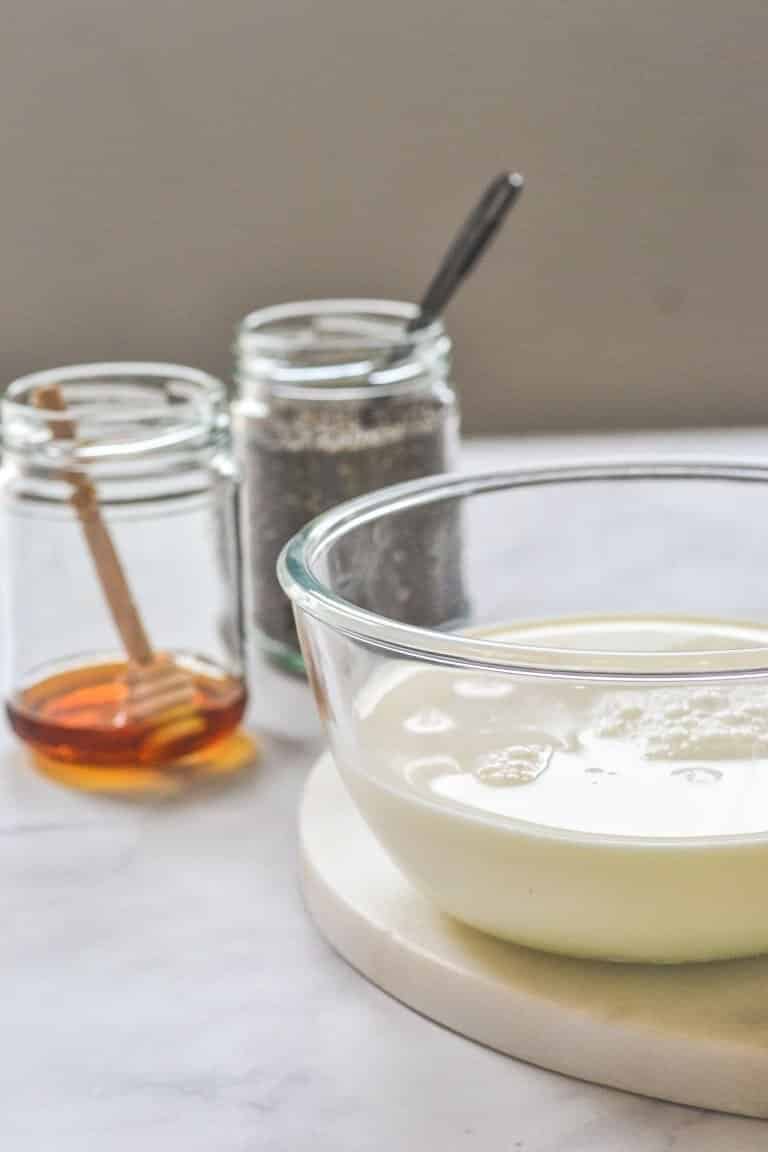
79, 717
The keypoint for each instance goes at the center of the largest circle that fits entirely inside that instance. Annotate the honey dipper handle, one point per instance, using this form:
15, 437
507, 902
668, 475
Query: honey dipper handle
109, 569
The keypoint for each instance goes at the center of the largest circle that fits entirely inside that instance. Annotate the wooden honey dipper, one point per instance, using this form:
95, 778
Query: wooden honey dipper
159, 692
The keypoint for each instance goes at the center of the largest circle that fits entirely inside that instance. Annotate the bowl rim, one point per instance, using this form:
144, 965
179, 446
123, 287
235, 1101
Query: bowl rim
461, 649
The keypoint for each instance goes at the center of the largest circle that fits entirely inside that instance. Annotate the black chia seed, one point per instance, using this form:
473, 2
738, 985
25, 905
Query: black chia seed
306, 457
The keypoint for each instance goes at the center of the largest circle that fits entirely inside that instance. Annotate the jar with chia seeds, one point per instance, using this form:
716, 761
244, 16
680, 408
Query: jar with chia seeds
335, 398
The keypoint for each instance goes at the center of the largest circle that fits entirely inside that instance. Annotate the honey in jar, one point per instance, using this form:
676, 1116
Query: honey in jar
118, 511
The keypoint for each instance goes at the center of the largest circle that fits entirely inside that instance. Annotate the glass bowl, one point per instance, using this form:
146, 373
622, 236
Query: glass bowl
547, 692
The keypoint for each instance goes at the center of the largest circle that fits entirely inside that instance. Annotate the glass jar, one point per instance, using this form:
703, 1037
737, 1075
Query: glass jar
336, 398
125, 495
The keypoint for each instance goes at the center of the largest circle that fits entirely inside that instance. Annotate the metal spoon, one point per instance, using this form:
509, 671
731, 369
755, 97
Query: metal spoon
470, 242
467, 247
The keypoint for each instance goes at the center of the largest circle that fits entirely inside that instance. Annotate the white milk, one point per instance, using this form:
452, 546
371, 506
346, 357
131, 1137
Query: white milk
565, 758
660, 761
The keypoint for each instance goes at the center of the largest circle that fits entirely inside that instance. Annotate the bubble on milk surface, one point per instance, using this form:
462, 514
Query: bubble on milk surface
709, 723
513, 764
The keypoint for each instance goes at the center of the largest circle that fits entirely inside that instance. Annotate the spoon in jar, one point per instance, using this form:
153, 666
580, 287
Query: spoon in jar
465, 250
159, 693
467, 247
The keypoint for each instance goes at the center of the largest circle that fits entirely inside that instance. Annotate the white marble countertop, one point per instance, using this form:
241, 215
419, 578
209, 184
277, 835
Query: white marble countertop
163, 988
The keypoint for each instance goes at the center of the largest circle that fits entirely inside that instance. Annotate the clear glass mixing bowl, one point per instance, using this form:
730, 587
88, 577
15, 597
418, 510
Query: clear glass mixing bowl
593, 778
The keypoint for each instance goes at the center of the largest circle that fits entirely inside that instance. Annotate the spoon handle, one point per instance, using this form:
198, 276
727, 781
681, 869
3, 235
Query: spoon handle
471, 241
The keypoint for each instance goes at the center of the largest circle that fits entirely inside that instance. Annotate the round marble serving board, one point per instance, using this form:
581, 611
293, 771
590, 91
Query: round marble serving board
694, 1034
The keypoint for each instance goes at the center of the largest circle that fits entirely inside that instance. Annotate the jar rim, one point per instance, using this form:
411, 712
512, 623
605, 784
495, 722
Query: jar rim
121, 408
257, 322
298, 577
341, 347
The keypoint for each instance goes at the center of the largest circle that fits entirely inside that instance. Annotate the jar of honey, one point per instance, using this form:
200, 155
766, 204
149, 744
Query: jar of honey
122, 641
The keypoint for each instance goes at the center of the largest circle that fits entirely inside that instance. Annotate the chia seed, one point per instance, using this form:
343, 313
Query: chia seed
300, 455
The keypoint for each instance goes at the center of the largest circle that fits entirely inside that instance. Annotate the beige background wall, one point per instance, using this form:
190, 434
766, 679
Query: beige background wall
166, 165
